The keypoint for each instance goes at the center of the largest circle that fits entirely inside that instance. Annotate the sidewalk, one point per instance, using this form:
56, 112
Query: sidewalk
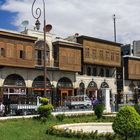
17, 117
67, 113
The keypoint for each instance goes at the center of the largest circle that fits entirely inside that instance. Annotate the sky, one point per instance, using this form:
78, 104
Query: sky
87, 17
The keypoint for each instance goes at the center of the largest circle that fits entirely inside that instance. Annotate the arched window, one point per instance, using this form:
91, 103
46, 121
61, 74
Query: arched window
64, 83
14, 84
40, 45
104, 85
92, 84
39, 52
14, 80
39, 82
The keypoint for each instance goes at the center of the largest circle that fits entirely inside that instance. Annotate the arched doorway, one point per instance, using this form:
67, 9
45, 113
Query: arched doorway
14, 84
13, 87
104, 85
38, 87
92, 90
65, 89
105, 96
132, 86
101, 97
81, 88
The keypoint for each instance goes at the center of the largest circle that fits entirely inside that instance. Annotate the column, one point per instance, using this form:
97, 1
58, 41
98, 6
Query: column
106, 94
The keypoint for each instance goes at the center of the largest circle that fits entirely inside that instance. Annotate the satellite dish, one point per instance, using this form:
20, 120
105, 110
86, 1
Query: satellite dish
48, 27
25, 23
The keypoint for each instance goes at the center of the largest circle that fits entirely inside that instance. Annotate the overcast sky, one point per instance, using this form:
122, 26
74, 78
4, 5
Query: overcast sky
86, 17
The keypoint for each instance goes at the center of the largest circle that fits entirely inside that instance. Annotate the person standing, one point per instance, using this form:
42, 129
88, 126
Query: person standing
2, 109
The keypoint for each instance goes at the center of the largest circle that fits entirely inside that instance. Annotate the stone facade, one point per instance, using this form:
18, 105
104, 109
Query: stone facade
65, 82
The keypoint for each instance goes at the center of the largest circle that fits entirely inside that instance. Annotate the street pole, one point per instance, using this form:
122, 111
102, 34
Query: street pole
37, 16
114, 20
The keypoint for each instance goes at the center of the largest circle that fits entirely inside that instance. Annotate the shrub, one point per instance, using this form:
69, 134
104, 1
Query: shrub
44, 101
99, 108
60, 117
45, 109
127, 122
137, 108
80, 134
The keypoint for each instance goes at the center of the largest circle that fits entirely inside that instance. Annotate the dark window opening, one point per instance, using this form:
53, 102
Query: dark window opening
101, 72
88, 71
39, 57
107, 73
94, 72
21, 55
2, 50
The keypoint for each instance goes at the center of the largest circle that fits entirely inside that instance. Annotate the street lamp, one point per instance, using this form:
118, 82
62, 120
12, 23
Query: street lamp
37, 15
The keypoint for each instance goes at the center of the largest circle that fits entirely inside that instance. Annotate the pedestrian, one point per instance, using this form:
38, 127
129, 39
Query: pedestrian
94, 102
2, 109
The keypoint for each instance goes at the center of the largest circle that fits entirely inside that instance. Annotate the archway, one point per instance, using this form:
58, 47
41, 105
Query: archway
14, 87
101, 95
92, 90
38, 86
14, 80
39, 52
105, 96
104, 85
81, 88
132, 86
65, 89
14, 84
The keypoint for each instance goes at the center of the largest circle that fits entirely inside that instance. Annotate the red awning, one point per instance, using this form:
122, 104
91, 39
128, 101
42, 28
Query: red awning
41, 89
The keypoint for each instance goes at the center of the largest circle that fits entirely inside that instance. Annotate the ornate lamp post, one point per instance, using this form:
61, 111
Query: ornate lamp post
37, 15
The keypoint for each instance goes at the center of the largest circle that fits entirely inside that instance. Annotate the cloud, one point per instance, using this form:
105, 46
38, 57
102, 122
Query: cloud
92, 17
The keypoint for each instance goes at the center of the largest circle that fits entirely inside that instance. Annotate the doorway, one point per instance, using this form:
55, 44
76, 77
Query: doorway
64, 95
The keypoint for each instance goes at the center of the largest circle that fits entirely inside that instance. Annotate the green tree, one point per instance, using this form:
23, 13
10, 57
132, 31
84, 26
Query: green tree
98, 110
127, 122
137, 108
45, 108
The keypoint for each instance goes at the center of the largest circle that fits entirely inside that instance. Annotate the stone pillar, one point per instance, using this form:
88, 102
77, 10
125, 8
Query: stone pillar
96, 94
106, 95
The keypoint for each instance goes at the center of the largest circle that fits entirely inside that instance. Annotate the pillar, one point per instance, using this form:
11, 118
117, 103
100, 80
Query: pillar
106, 95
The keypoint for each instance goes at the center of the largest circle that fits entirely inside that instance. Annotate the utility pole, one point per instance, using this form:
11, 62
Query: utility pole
114, 20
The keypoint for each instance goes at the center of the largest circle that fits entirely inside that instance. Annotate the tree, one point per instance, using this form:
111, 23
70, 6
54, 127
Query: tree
127, 122
45, 108
99, 108
137, 108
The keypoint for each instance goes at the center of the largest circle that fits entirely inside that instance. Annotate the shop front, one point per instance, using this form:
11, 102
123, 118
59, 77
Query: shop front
38, 87
14, 87
64, 89
92, 90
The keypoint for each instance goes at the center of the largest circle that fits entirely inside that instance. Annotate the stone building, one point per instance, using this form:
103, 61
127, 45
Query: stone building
100, 59
81, 65
21, 66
